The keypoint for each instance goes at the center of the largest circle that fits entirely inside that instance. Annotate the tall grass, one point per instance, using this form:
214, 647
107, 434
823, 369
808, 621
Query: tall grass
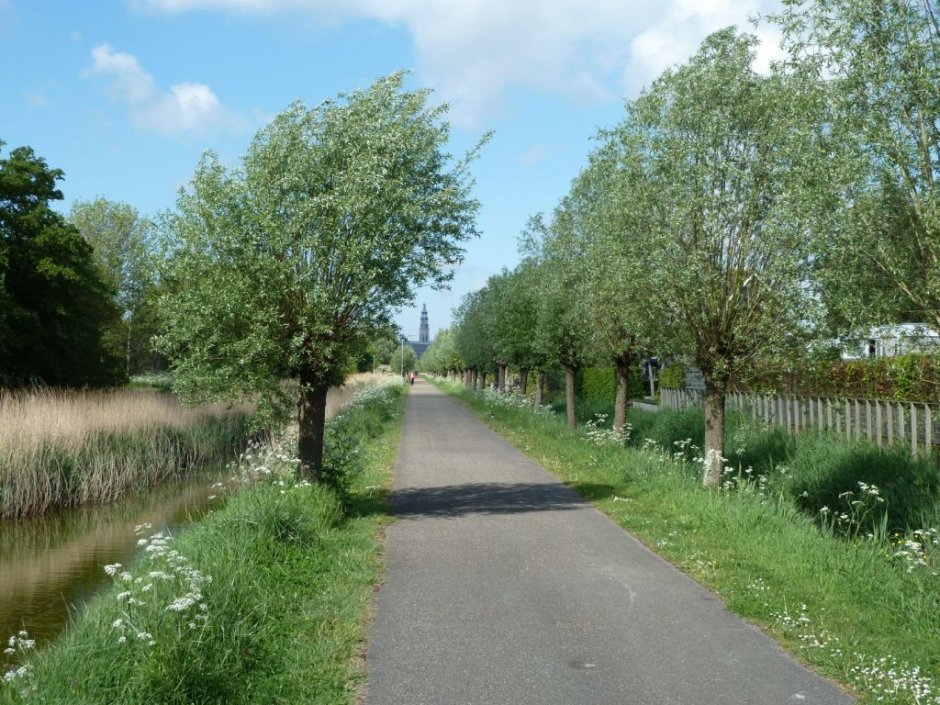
264, 601
812, 471
62, 449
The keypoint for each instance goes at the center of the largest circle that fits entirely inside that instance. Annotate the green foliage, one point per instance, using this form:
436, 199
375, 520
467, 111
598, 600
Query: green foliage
822, 472
810, 471
902, 378
600, 383
288, 265
442, 354
54, 305
879, 243
110, 464
673, 376
277, 583
667, 428
403, 360
347, 434
124, 253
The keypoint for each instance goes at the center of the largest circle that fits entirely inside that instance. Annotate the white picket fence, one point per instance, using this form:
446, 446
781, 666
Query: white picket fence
884, 422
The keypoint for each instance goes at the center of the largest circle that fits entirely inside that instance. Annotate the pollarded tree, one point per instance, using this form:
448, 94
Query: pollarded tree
470, 338
729, 156
881, 63
563, 331
610, 218
283, 267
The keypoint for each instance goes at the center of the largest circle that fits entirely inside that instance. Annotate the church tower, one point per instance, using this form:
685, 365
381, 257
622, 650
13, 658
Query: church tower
424, 332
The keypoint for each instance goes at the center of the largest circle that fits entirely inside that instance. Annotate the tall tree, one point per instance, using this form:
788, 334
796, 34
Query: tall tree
609, 217
563, 331
880, 60
54, 305
121, 241
731, 162
441, 356
285, 266
471, 339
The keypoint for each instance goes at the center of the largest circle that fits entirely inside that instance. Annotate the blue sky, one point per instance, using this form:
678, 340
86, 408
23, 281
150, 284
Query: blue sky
125, 95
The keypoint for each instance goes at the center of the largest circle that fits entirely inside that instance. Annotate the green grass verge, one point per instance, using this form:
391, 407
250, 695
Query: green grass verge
264, 601
850, 609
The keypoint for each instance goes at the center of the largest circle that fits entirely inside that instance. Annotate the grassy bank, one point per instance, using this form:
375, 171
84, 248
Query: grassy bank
262, 602
62, 449
862, 610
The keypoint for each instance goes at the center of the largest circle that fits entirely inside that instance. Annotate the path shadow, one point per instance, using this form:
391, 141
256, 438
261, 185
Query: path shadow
490, 498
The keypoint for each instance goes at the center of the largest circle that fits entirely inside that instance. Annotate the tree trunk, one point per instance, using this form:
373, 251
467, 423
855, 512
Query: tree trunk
483, 380
714, 430
539, 387
502, 377
569, 396
128, 351
476, 379
620, 402
311, 420
523, 380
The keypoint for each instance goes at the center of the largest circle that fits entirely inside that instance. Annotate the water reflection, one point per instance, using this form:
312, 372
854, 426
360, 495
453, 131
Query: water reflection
50, 565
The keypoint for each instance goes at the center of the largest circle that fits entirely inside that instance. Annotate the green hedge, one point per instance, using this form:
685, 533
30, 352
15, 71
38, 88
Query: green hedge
902, 378
673, 377
600, 384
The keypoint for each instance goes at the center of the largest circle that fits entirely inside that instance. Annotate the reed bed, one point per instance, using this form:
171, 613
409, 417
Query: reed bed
66, 448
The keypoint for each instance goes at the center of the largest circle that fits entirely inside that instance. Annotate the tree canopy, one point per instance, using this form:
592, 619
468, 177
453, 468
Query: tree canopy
54, 304
123, 250
283, 267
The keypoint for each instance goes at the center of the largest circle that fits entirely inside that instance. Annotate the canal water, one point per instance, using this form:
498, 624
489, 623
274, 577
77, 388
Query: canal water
51, 565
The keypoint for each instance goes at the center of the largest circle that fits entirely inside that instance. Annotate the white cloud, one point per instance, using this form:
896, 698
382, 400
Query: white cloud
7, 15
37, 99
535, 154
476, 52
186, 109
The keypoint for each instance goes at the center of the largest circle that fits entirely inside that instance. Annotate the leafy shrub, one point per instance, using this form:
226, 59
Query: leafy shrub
363, 419
902, 378
342, 455
600, 384
673, 377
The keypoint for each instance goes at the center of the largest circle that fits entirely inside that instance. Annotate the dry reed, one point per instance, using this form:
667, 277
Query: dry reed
61, 448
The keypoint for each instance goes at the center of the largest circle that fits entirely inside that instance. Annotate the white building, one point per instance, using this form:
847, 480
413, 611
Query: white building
891, 340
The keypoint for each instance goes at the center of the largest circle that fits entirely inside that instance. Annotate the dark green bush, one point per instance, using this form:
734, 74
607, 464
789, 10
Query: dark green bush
821, 470
600, 384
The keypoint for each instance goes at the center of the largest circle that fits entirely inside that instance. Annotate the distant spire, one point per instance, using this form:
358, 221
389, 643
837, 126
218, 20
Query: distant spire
424, 333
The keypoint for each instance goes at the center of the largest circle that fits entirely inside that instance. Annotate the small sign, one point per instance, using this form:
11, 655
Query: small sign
694, 379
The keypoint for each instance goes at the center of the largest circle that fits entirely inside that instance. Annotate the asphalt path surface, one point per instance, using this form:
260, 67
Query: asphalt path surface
504, 587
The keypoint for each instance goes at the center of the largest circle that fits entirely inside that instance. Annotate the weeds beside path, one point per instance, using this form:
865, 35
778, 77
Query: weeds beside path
844, 607
262, 602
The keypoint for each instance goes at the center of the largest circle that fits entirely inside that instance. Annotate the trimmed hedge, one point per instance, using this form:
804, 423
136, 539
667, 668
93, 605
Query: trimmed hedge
600, 384
901, 378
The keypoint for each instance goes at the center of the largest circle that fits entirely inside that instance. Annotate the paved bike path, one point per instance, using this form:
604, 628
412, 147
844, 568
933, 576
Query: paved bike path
503, 587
